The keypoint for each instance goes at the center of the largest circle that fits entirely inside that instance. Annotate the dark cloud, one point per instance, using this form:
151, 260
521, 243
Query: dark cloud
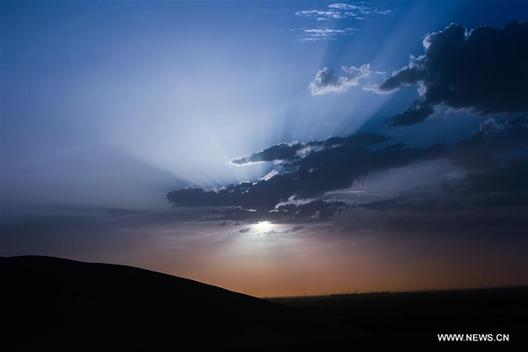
310, 180
484, 69
495, 164
317, 209
498, 187
488, 147
306, 211
358, 139
295, 151
323, 166
277, 152
415, 114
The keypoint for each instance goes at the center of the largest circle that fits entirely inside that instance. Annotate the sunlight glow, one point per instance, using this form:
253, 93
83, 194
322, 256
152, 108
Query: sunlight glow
263, 226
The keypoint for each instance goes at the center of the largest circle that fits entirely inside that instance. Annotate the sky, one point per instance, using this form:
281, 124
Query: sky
270, 147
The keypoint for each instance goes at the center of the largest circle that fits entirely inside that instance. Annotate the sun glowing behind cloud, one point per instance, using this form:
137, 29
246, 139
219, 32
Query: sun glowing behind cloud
263, 227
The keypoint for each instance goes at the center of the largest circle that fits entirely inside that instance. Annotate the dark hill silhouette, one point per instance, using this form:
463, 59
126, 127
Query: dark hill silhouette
65, 304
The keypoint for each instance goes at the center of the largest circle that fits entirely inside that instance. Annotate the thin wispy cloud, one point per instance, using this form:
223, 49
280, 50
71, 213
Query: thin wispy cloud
324, 33
321, 15
342, 10
333, 13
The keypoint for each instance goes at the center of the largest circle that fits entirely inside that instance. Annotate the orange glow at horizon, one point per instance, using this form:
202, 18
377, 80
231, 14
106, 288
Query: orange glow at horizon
266, 260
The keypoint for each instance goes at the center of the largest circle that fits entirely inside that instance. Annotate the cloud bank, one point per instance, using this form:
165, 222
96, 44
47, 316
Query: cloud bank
488, 169
307, 171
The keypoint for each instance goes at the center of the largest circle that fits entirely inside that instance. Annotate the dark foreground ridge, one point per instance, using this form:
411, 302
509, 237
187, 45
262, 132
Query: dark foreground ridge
70, 305
60, 304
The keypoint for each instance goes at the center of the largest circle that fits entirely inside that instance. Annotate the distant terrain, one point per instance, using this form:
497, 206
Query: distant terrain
417, 317
63, 304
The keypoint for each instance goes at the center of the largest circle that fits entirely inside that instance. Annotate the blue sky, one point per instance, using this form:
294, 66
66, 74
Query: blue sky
169, 92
